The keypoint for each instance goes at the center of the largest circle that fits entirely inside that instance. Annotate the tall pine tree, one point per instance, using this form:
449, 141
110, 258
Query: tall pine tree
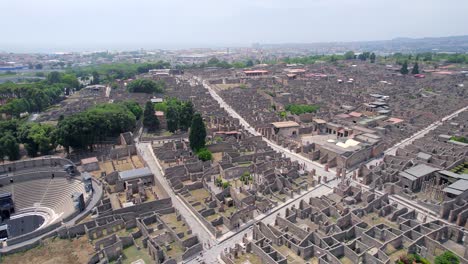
415, 69
372, 57
186, 116
150, 121
404, 68
197, 134
172, 118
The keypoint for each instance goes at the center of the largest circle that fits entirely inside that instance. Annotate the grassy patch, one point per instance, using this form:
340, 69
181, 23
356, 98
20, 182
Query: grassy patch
54, 250
460, 139
298, 109
132, 254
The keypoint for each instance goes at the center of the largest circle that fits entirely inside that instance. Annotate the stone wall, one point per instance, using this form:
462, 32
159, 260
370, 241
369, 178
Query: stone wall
120, 152
45, 161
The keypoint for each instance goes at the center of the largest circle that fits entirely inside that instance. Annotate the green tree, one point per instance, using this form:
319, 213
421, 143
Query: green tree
427, 56
37, 138
144, 68
134, 107
186, 116
364, 56
415, 69
96, 76
54, 77
447, 258
249, 63
172, 118
246, 177
204, 154
213, 61
349, 55
9, 126
226, 184
87, 128
70, 80
9, 147
372, 57
150, 120
146, 86
219, 181
197, 134
404, 68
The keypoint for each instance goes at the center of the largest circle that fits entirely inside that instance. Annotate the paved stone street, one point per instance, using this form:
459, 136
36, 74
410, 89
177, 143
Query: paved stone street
198, 228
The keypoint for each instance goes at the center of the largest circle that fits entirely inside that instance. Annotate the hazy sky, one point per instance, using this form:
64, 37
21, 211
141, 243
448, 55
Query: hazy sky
29, 25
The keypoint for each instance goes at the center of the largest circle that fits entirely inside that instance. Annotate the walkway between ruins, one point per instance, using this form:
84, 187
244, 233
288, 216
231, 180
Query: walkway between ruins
408, 141
310, 165
423, 132
197, 227
210, 256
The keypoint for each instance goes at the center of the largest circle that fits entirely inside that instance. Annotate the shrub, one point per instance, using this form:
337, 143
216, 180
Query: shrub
447, 258
226, 185
204, 155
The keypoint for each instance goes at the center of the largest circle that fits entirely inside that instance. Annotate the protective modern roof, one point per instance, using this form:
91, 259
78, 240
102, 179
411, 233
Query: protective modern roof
421, 170
457, 187
89, 160
135, 173
285, 124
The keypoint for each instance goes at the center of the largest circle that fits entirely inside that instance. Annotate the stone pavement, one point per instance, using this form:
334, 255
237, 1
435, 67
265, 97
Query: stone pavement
197, 227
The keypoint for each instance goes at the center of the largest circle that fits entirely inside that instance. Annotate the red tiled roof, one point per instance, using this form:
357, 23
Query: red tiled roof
89, 160
355, 114
256, 71
395, 120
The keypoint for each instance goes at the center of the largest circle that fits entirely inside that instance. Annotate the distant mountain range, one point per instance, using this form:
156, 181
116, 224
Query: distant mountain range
405, 45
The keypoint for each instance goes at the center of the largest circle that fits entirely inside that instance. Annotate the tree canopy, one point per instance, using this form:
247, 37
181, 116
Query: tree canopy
204, 154
197, 134
146, 86
404, 68
134, 107
150, 121
349, 55
9, 147
179, 114
144, 68
372, 57
37, 138
415, 69
364, 56
106, 73
33, 97
87, 128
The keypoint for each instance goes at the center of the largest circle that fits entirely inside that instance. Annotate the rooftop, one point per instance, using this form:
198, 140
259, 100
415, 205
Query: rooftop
355, 114
395, 120
454, 175
135, 173
256, 71
285, 124
319, 121
457, 187
89, 160
418, 171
